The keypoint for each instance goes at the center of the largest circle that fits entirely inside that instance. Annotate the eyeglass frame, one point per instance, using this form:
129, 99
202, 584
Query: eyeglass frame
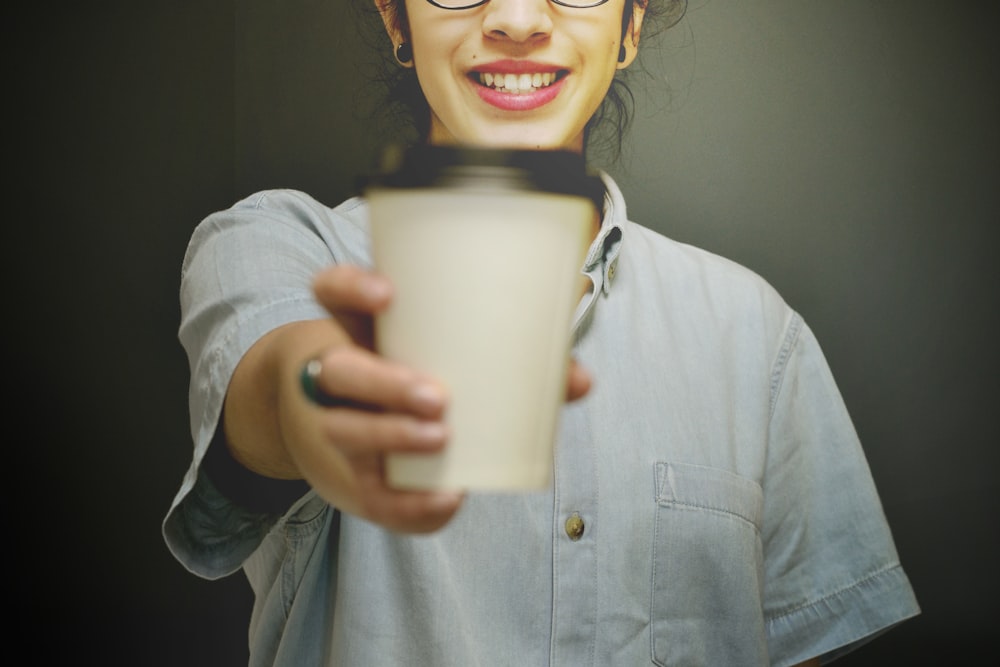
562, 3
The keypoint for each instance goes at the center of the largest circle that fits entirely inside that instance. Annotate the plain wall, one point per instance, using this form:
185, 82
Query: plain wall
848, 152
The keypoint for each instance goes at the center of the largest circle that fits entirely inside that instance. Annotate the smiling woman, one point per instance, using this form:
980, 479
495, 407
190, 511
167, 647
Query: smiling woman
409, 95
710, 502
513, 43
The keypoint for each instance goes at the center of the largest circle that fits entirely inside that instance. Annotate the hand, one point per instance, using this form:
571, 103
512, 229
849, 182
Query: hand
379, 407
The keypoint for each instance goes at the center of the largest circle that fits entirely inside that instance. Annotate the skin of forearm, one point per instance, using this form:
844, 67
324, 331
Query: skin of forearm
251, 419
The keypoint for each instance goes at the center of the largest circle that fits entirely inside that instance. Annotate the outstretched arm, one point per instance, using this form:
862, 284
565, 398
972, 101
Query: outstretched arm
273, 429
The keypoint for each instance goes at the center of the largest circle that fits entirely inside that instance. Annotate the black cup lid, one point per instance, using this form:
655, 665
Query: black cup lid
550, 171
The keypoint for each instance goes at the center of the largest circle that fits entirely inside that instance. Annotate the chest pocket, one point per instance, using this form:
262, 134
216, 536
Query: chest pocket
707, 568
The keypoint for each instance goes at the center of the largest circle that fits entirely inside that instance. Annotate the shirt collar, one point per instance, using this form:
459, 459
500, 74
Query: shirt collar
602, 258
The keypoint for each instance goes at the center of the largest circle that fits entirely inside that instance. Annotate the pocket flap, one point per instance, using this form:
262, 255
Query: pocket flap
703, 487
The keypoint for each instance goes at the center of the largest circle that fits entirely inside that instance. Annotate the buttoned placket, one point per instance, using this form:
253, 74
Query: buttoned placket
576, 526
575, 532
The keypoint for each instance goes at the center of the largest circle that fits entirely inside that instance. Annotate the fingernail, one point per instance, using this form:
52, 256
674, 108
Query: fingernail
426, 397
444, 500
430, 432
375, 289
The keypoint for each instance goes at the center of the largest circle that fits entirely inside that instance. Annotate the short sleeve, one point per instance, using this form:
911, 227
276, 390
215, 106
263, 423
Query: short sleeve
833, 577
247, 270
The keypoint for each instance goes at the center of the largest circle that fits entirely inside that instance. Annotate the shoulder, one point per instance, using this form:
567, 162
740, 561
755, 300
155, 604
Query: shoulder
269, 219
697, 277
658, 265
294, 206
686, 257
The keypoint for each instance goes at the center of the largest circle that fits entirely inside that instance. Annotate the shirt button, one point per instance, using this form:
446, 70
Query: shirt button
574, 526
611, 270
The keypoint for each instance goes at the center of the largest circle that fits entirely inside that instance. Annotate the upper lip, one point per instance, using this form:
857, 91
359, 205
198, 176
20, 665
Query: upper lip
511, 66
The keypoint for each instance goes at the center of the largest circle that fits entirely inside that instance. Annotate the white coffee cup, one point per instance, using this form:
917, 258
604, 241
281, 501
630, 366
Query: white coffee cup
484, 249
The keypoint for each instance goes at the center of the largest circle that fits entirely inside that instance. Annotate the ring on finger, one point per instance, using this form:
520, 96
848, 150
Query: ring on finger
309, 379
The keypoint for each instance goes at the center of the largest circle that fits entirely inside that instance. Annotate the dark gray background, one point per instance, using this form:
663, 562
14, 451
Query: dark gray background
846, 151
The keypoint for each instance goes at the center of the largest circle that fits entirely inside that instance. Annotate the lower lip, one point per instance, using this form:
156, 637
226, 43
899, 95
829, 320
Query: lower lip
519, 101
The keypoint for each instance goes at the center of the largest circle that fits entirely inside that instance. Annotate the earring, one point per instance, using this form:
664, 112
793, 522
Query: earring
404, 54
621, 53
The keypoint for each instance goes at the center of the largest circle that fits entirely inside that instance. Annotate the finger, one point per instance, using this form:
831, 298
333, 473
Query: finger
401, 510
578, 382
346, 287
362, 491
360, 433
411, 511
358, 376
414, 512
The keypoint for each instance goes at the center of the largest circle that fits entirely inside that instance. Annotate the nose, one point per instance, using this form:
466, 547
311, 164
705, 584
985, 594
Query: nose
518, 20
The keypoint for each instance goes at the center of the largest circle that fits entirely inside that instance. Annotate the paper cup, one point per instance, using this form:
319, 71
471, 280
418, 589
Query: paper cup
485, 258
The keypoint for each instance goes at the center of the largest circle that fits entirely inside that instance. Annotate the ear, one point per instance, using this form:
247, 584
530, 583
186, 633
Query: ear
630, 36
391, 21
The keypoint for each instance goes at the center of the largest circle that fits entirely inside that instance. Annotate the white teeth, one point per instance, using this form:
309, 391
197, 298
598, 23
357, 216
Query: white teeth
517, 83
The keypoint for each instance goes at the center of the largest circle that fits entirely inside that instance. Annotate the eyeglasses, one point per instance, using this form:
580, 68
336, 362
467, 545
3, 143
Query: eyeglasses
469, 4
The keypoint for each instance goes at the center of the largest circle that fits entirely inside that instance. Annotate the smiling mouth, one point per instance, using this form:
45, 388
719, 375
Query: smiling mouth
517, 84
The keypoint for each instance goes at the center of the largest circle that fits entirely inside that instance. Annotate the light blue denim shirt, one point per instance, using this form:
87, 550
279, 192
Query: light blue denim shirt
728, 514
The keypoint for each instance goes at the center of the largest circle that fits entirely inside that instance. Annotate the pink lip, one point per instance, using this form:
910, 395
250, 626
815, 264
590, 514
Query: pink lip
516, 101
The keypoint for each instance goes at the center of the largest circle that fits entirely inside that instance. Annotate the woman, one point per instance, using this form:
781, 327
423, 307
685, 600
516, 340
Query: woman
711, 504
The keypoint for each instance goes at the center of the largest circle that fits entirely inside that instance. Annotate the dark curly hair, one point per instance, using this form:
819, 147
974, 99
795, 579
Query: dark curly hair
400, 105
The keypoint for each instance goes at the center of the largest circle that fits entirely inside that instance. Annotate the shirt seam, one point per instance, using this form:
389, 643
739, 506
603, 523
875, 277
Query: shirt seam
857, 583
781, 362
